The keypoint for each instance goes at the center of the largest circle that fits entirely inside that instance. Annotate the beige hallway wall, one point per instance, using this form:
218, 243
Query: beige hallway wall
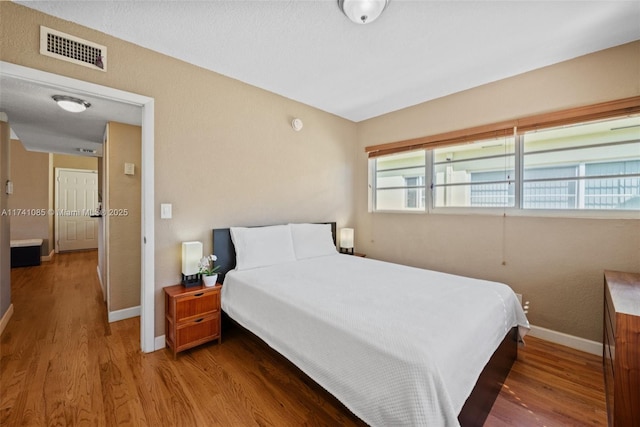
30, 198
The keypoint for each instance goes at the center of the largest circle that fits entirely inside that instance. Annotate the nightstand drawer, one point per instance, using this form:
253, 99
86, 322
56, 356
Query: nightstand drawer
197, 304
192, 316
197, 331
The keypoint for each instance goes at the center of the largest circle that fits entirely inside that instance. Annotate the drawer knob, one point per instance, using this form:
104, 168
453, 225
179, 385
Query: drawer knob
198, 295
198, 321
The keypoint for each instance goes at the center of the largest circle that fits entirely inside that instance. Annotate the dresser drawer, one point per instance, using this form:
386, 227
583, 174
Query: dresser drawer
197, 331
609, 310
196, 305
609, 335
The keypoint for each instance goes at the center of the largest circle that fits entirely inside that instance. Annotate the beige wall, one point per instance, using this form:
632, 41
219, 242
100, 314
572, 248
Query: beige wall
75, 162
30, 176
557, 263
225, 153
124, 191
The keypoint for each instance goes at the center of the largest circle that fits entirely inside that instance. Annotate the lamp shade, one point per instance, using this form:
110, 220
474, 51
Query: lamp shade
346, 238
191, 255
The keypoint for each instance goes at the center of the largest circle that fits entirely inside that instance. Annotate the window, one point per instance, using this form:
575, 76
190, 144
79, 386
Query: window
593, 165
586, 166
400, 181
477, 174
550, 188
415, 191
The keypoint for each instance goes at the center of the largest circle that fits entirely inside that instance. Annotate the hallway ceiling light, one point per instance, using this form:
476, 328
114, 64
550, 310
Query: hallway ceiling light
71, 104
362, 11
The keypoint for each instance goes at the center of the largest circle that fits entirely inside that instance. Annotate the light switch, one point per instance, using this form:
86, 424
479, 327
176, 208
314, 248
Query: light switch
165, 210
129, 169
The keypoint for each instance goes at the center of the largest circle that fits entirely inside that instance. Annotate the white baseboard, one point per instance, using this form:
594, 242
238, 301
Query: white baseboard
125, 313
48, 257
159, 343
5, 318
582, 344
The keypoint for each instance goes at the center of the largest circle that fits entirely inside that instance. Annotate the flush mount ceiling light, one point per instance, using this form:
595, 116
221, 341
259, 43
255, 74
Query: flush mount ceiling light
71, 104
362, 11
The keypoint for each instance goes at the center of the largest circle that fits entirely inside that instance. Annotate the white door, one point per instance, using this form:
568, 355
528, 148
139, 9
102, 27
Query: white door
76, 201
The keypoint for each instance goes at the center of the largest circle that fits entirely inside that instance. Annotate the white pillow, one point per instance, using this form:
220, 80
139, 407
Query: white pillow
262, 246
312, 240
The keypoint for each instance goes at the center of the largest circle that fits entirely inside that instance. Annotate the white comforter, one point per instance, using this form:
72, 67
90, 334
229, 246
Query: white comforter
398, 346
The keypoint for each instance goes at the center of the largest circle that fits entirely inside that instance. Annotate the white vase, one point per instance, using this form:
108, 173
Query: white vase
210, 281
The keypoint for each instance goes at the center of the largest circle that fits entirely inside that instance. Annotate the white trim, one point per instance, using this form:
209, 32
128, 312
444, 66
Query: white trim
6, 317
147, 297
48, 257
147, 319
61, 82
125, 313
104, 294
577, 343
160, 342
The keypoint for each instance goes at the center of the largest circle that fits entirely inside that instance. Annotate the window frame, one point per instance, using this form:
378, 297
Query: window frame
519, 143
581, 179
373, 186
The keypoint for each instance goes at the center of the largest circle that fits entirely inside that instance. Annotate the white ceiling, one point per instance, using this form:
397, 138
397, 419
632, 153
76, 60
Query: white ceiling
310, 52
307, 50
41, 125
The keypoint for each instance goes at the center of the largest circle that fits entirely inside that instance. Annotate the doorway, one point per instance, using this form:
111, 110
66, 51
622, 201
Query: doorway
147, 321
76, 200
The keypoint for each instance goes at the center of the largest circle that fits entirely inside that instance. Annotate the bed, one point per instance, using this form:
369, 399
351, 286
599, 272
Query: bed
396, 345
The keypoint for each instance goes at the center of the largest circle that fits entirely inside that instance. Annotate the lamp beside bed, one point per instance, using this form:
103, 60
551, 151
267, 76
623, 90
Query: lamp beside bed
191, 255
346, 241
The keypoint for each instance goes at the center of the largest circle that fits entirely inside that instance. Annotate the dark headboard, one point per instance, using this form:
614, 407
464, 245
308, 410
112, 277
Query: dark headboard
225, 251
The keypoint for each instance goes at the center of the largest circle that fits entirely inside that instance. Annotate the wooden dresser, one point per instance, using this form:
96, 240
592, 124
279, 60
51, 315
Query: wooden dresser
621, 347
192, 316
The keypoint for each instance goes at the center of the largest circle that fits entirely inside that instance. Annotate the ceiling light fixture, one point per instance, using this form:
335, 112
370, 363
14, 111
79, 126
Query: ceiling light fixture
362, 11
71, 104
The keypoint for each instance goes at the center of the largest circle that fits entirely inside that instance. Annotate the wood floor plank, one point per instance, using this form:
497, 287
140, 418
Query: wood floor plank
62, 363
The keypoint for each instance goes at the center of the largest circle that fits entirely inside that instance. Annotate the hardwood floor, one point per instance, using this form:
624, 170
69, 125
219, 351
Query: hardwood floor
63, 364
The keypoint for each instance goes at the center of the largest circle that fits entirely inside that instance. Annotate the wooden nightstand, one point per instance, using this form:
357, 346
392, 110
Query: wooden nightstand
192, 316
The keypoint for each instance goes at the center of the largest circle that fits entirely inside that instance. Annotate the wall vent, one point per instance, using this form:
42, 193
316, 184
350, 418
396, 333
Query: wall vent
72, 49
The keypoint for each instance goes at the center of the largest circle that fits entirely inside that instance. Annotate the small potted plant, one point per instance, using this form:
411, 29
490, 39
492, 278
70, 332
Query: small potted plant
208, 270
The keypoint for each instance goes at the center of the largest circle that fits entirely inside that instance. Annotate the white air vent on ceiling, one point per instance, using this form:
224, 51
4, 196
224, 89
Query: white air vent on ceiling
72, 49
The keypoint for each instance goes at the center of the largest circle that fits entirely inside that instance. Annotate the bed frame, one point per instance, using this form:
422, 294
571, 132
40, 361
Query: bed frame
477, 406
